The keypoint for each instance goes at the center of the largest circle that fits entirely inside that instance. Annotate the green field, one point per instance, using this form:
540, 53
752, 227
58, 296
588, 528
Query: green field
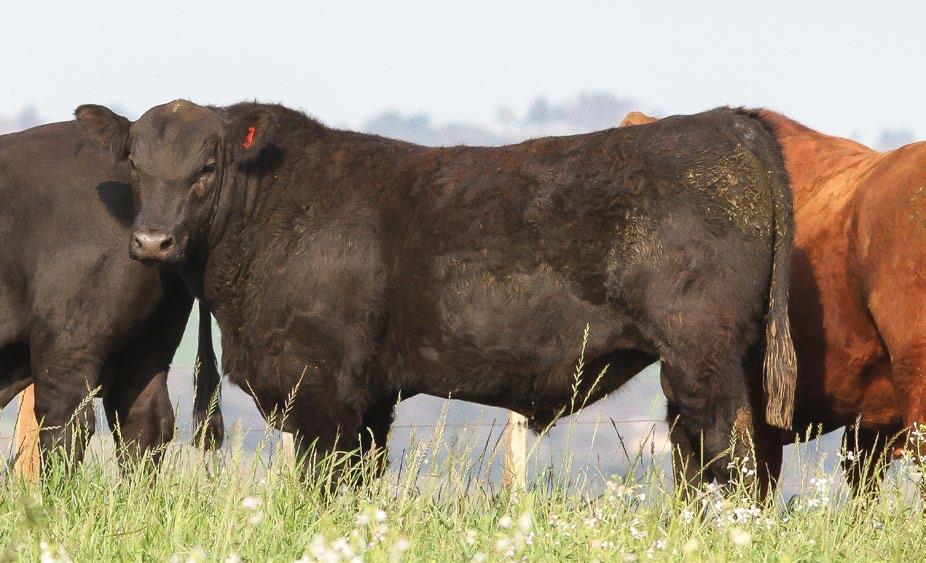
441, 504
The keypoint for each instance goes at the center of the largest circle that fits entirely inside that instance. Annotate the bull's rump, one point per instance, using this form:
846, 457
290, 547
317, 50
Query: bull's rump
507, 253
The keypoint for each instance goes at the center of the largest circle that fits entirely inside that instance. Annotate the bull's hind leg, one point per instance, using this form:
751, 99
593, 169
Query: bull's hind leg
687, 456
769, 452
375, 432
688, 460
866, 459
65, 383
709, 391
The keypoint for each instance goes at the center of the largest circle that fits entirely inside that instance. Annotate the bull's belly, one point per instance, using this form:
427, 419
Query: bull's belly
496, 340
841, 397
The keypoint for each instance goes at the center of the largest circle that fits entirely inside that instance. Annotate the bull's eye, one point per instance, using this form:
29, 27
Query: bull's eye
208, 169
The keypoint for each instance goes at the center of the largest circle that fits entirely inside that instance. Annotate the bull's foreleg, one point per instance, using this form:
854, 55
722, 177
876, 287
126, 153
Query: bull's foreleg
900, 316
139, 411
908, 376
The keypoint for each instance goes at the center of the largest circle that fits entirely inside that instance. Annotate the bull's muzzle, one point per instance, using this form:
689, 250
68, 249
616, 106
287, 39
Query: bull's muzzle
154, 245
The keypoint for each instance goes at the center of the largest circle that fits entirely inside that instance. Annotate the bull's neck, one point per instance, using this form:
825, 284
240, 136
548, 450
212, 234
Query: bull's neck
225, 261
813, 158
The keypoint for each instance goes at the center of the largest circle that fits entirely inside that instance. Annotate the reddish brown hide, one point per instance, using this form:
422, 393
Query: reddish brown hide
858, 291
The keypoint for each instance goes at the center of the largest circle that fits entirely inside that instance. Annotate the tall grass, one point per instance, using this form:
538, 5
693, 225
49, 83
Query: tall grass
441, 502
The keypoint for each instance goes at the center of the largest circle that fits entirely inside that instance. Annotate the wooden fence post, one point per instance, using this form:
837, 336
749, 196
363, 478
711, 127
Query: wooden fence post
514, 474
26, 438
288, 449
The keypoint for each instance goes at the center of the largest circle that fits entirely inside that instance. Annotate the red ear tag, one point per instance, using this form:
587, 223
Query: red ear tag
249, 138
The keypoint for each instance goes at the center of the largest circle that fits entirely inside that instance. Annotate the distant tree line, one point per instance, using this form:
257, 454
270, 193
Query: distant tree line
588, 111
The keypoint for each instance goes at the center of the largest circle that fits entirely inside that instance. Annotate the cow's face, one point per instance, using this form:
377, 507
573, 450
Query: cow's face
179, 154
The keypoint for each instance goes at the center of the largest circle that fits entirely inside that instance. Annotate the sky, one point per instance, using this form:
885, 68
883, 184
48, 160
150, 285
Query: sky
848, 68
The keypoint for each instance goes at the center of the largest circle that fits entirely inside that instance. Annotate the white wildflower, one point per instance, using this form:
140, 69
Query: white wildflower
691, 545
251, 503
819, 483
740, 537
503, 544
342, 547
379, 534
469, 536
317, 548
635, 532
687, 516
48, 555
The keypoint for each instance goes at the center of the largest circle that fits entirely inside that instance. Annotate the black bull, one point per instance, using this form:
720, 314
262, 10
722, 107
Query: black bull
76, 314
356, 269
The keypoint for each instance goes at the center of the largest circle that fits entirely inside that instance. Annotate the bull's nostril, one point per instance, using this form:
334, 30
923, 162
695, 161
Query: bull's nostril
167, 243
136, 242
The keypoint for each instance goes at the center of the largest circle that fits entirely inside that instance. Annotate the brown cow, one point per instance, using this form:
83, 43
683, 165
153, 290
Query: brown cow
858, 292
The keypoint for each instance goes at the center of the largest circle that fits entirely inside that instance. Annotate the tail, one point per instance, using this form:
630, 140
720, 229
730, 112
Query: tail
207, 412
780, 362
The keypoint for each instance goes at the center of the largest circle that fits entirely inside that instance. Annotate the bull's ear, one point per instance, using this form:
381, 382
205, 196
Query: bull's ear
250, 133
109, 130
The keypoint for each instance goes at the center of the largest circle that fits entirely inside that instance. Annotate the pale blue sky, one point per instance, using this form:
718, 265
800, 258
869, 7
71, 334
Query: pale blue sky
843, 67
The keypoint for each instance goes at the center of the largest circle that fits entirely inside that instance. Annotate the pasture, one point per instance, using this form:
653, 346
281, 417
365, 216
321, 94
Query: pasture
440, 503
596, 491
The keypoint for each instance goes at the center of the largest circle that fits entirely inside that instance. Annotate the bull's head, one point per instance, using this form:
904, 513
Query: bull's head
180, 154
637, 118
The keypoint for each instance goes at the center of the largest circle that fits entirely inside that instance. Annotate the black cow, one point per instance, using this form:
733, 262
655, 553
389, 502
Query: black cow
76, 314
357, 267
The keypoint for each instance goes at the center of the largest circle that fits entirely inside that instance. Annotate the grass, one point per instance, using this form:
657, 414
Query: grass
441, 503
